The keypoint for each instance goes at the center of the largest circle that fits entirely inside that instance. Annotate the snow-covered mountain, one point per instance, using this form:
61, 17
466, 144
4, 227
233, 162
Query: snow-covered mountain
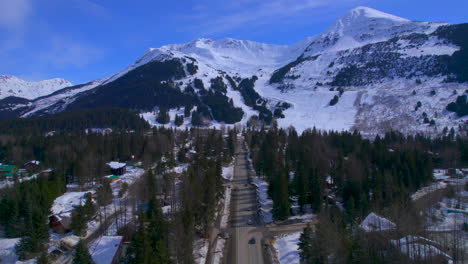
14, 86
369, 71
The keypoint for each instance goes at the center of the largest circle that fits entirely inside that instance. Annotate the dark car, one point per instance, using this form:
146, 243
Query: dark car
252, 241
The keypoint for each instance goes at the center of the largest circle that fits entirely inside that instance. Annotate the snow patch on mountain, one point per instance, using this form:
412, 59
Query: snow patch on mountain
14, 86
59, 100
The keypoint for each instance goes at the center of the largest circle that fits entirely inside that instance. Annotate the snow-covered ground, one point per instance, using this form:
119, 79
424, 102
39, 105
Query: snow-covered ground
228, 172
8, 183
200, 250
287, 248
266, 204
227, 205
218, 254
418, 247
443, 180
449, 214
65, 203
7, 250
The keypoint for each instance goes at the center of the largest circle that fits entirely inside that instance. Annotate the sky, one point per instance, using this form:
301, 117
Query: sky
83, 40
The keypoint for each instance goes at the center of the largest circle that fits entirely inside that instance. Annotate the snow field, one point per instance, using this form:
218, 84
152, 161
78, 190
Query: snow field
287, 248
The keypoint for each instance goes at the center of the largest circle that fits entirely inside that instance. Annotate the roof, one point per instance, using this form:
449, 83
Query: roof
11, 174
36, 162
374, 222
104, 250
116, 165
6, 167
113, 177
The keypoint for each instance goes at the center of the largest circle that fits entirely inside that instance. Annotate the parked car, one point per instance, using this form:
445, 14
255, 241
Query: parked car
252, 241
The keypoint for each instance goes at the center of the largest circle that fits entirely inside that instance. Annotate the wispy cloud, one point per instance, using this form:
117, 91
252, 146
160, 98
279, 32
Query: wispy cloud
91, 8
63, 52
14, 13
211, 18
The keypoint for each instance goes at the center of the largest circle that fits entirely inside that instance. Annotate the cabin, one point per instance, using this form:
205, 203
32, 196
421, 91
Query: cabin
47, 172
60, 224
8, 171
107, 250
32, 166
113, 178
117, 168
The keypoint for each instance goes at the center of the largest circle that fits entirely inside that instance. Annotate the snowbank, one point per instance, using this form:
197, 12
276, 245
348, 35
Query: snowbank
373, 222
266, 204
287, 248
7, 250
228, 172
218, 255
200, 250
227, 205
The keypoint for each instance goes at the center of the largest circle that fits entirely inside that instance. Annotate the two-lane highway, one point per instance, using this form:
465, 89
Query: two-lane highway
245, 245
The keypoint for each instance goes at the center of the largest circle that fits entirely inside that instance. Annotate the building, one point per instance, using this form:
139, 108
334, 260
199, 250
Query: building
106, 250
113, 178
32, 166
60, 224
117, 168
8, 171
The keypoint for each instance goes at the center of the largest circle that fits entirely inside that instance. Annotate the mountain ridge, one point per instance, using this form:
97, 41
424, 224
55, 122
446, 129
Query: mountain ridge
352, 60
13, 86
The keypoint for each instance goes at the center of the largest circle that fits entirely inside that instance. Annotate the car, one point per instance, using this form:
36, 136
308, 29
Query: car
252, 241
249, 222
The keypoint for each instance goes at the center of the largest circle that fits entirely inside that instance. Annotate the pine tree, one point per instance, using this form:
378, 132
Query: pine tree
78, 221
104, 194
43, 258
82, 255
163, 116
306, 245
179, 120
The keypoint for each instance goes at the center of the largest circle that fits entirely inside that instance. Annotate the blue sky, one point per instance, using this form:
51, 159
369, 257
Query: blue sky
82, 40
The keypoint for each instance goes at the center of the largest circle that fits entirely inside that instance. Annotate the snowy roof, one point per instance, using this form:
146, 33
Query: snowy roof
104, 250
116, 165
35, 162
67, 202
373, 222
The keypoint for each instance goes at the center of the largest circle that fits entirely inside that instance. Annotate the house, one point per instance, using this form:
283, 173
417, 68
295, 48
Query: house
60, 224
117, 168
113, 178
9, 171
47, 172
106, 250
31, 166
6, 168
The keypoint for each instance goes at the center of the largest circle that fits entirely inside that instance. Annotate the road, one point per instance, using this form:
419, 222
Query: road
244, 223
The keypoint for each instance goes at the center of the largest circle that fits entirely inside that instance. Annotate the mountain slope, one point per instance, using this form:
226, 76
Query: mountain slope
369, 71
13, 86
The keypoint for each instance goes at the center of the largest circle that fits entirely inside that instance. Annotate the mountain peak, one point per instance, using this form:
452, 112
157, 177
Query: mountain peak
14, 86
367, 12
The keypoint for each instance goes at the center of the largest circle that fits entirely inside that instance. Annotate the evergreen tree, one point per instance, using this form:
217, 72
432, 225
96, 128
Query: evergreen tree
104, 194
163, 116
306, 245
43, 258
78, 221
82, 255
179, 120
